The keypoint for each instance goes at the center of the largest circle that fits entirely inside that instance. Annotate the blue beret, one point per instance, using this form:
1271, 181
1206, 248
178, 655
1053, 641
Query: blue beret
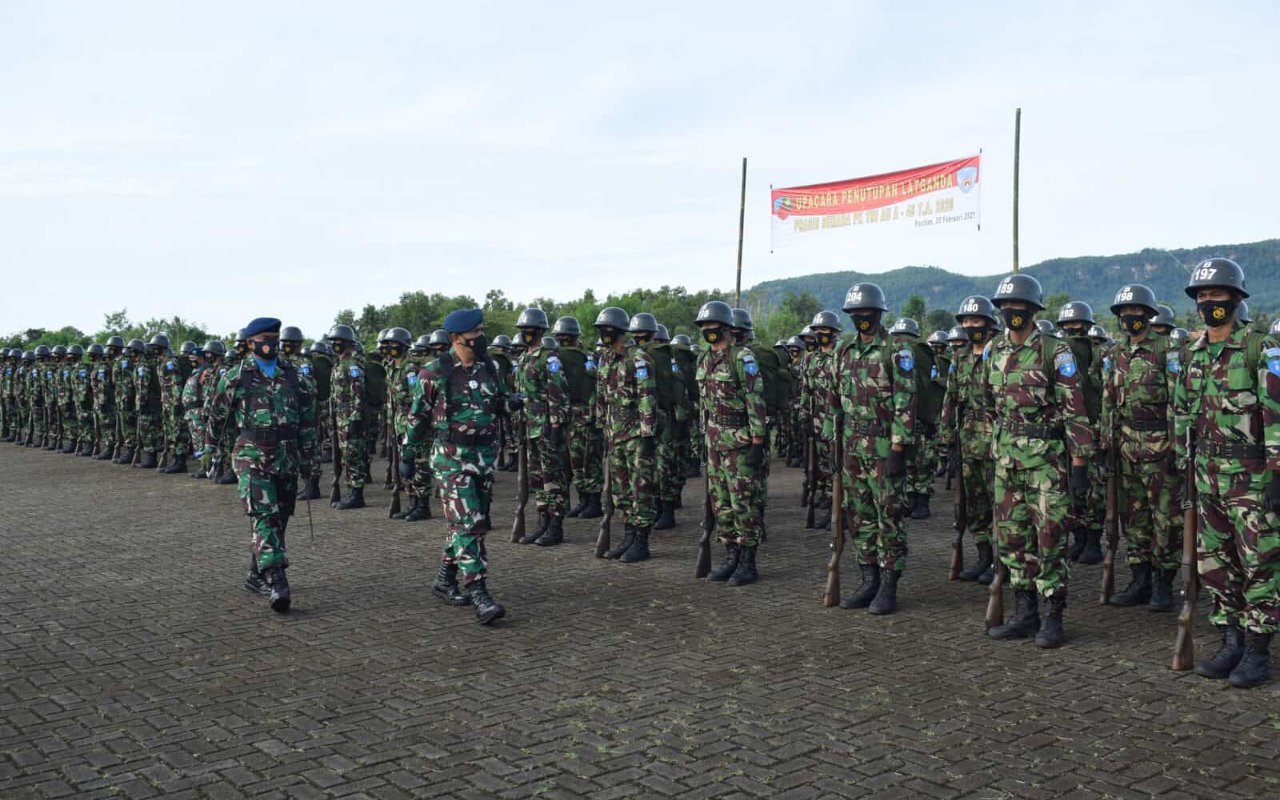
463, 320
261, 325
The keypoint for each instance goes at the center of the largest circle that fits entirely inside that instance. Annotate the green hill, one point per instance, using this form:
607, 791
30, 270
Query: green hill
1093, 279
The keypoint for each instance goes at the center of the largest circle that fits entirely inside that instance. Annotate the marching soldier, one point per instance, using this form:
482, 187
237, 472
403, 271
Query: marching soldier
732, 406
1228, 431
539, 379
461, 395
349, 415
1043, 442
875, 384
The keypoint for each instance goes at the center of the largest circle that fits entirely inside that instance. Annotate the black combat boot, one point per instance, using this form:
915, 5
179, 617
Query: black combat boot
544, 521
886, 599
125, 457
582, 504
1051, 634
227, 478
823, 522
666, 518
104, 454
1162, 590
678, 503
732, 553
280, 600
178, 467
921, 508
487, 609
1139, 589
421, 510
199, 475
593, 509
354, 499
254, 582
1025, 621
985, 555
1092, 553
312, 490
148, 461
1077, 544
69, 447
639, 549
1255, 668
1223, 662
86, 450
554, 534
628, 537
446, 586
867, 590
745, 572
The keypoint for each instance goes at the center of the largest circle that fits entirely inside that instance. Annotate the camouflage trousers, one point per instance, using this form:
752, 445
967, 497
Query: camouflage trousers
1032, 512
269, 501
353, 445
37, 425
70, 417
1091, 512
978, 475
585, 451
466, 489
922, 466
1238, 549
84, 422
127, 425
1150, 510
822, 463
665, 488
196, 430
873, 507
677, 460
423, 480
731, 483
684, 450
11, 422
547, 475
631, 483
104, 419
176, 433
150, 439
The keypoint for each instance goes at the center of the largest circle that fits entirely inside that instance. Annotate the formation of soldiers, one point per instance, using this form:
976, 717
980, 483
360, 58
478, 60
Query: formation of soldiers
1051, 430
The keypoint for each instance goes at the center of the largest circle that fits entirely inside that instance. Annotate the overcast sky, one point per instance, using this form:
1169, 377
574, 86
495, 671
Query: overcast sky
227, 160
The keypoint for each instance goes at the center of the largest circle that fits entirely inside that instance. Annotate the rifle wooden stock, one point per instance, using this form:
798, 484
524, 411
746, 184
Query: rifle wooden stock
603, 539
831, 595
808, 466
1184, 644
1112, 525
961, 523
522, 481
995, 599
812, 499
708, 525
393, 464
335, 488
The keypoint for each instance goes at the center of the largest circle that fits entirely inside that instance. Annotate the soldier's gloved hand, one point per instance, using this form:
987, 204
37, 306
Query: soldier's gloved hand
515, 402
1272, 493
648, 447
1171, 462
755, 455
928, 429
895, 466
557, 435
407, 468
1079, 481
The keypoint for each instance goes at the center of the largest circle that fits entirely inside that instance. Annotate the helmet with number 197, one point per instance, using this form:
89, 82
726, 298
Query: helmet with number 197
1217, 273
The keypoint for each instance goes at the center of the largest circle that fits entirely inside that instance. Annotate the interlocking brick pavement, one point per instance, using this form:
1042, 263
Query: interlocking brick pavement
133, 664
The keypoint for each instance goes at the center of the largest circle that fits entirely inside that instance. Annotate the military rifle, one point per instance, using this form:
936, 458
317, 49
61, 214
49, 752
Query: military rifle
522, 484
603, 542
961, 522
1184, 644
831, 597
1112, 524
393, 450
812, 498
335, 488
995, 600
708, 525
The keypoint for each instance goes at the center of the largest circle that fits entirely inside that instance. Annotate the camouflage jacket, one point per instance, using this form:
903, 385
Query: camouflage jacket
402, 381
1039, 402
626, 394
876, 387
104, 390
1138, 380
347, 392
539, 376
968, 410
818, 388
276, 418
460, 405
171, 383
1227, 401
81, 385
125, 381
147, 385
731, 398
193, 391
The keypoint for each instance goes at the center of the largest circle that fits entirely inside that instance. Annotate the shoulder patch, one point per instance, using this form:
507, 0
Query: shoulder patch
412, 379
354, 371
1106, 363
951, 368
906, 361
553, 363
1066, 364
124, 363
84, 373
1272, 354
675, 367
986, 352
591, 363
749, 365
1173, 362
142, 371
305, 369
170, 366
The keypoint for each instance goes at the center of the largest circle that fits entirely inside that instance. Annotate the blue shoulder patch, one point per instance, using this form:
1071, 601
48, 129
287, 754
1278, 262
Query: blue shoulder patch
986, 352
1273, 360
124, 363
412, 379
84, 373
906, 362
933, 372
951, 368
1173, 363
591, 363
675, 367
305, 369
102, 374
170, 366
354, 371
1106, 363
142, 371
1066, 364
553, 364
750, 366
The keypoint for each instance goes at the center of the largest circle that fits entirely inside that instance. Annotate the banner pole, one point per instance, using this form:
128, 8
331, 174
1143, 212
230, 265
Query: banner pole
1017, 148
742, 211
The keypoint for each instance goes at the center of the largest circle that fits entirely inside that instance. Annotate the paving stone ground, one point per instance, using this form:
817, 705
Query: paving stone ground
133, 664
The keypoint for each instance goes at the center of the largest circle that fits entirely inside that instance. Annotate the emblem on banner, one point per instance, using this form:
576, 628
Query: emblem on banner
967, 177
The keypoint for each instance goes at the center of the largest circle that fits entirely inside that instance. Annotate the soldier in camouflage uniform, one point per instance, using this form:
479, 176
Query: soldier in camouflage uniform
173, 377
968, 416
922, 456
668, 386
626, 408
732, 407
1139, 375
8, 417
104, 399
67, 430
585, 443
1075, 319
875, 386
1043, 443
25, 388
126, 383
194, 391
404, 362
349, 415
82, 398
460, 395
147, 398
684, 399
52, 402
539, 379
276, 420
422, 483
1227, 403
819, 400
292, 350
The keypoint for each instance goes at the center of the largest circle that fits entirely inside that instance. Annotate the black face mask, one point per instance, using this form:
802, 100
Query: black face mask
740, 336
1216, 313
566, 341
479, 345
339, 348
978, 335
1133, 324
1076, 331
643, 338
712, 335
1016, 318
265, 350
608, 336
810, 345
823, 339
865, 323
528, 337
288, 348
